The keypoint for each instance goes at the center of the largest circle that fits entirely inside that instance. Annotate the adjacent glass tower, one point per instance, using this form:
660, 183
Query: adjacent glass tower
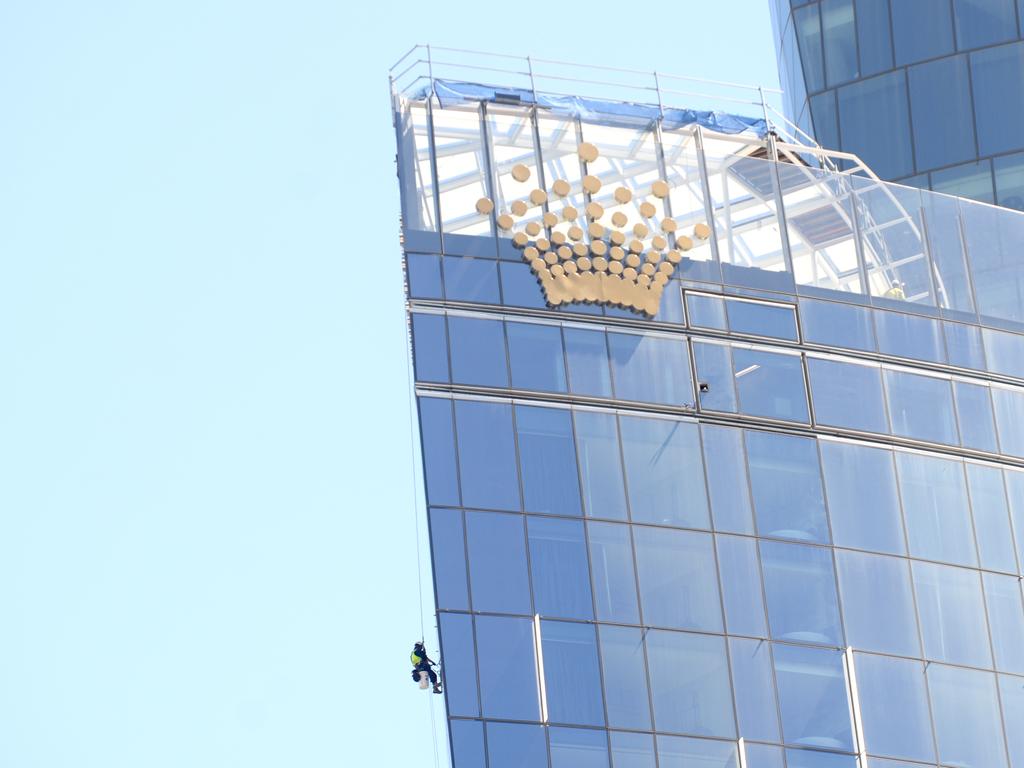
777, 524
927, 92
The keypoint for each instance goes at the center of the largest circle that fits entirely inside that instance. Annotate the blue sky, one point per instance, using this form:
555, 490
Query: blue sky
207, 550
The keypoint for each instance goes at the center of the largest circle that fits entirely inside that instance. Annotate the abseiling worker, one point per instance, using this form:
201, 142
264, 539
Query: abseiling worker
421, 663
895, 291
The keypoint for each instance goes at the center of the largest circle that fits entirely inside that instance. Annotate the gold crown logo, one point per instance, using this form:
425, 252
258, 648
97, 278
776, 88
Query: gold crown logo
607, 270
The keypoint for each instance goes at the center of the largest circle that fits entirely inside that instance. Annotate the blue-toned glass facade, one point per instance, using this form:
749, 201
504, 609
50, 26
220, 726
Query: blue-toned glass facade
780, 523
926, 92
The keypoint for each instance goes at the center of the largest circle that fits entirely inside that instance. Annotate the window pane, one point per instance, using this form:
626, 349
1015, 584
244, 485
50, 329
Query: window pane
578, 748
497, 563
678, 585
1009, 406
991, 518
998, 97
558, 562
755, 689
763, 756
572, 680
878, 604
936, 509
588, 362
812, 697
800, 587
665, 472
911, 336
761, 319
430, 346
715, 377
952, 614
770, 384
921, 407
921, 30
873, 36
438, 436
974, 414
535, 352
741, 586
966, 714
973, 180
1004, 351
632, 750
1006, 619
424, 273
808, 31
1011, 691
840, 43
983, 22
650, 369
519, 286
690, 684
680, 752
860, 483
449, 559
467, 744
706, 311
1009, 174
726, 466
469, 279
508, 672
786, 485
865, 105
625, 677
810, 758
487, 455
963, 342
837, 325
456, 630
478, 351
1015, 494
600, 465
938, 89
547, 457
611, 561
847, 394
514, 745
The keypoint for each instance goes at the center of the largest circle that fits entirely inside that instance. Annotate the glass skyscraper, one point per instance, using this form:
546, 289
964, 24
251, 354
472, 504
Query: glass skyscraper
927, 92
723, 449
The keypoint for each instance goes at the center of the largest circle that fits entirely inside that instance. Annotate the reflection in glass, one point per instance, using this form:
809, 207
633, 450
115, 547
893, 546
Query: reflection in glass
632, 750
786, 484
600, 465
651, 369
438, 436
456, 631
578, 748
974, 414
812, 697
535, 354
1006, 620
837, 325
449, 557
680, 752
800, 588
952, 613
611, 562
991, 518
587, 353
1011, 692
625, 677
860, 482
726, 466
478, 351
516, 745
878, 603
755, 689
678, 587
847, 394
715, 376
572, 680
430, 347
966, 714
487, 455
467, 744
936, 509
761, 319
547, 458
921, 407
558, 564
497, 562
1009, 406
770, 384
508, 670
741, 585
894, 707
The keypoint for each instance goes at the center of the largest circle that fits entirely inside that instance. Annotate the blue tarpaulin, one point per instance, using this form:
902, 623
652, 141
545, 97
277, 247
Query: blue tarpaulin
450, 92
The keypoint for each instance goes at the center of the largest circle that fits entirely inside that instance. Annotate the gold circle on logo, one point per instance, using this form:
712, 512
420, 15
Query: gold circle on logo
702, 231
520, 172
617, 253
643, 280
629, 273
615, 267
640, 230
549, 219
668, 225
636, 246
520, 239
518, 208
647, 210
595, 230
617, 238
583, 263
505, 222
619, 219
595, 210
599, 248
533, 229
659, 188
580, 249
551, 257
652, 256
538, 265
684, 243
666, 268
484, 205
673, 257
623, 195
530, 253
592, 184
575, 233
565, 252
659, 243
557, 270
543, 244
538, 197
661, 278
647, 269
600, 264
561, 187
570, 267
588, 152
633, 260
569, 213
558, 238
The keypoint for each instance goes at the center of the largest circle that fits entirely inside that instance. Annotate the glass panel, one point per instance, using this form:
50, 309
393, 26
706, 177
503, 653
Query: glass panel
911, 336
847, 394
936, 508
690, 684
1009, 407
680, 752
878, 604
786, 485
715, 376
547, 457
800, 588
469, 279
840, 43
865, 105
825, 119
862, 499
448, 547
1011, 691
998, 97
966, 712
678, 584
558, 563
921, 407
763, 756
611, 557
741, 586
726, 466
578, 748
686, 194
963, 342
487, 455
808, 31
770, 384
761, 319
497, 562
461, 170
430, 347
1015, 493
625, 678
600, 465
810, 758
755, 689
456, 630
874, 36
415, 170
1006, 619
650, 369
973, 180
921, 30
812, 697
1009, 175
588, 362
706, 311
1004, 351
513, 745
424, 273
508, 679
837, 325
992, 239
519, 286
572, 682
478, 351
535, 353
632, 750
945, 247
974, 415
938, 89
665, 472
952, 614
438, 436
467, 744
991, 518
511, 135
983, 22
